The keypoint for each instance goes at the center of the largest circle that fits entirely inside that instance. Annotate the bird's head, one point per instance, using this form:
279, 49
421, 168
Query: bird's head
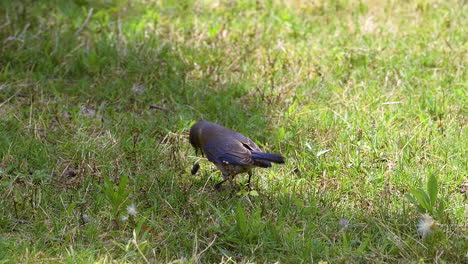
195, 136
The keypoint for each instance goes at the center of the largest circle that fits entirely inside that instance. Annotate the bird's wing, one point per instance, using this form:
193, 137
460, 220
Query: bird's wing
235, 153
248, 143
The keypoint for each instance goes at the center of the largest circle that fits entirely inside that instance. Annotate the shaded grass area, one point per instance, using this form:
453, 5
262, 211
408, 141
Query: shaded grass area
365, 99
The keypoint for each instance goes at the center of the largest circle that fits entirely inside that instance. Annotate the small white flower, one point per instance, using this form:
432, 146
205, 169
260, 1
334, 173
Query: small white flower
124, 218
425, 225
137, 88
131, 209
86, 218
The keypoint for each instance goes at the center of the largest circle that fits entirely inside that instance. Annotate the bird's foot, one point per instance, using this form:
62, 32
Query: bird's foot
218, 185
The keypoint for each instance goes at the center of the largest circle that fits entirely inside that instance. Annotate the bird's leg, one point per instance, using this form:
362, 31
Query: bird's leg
231, 182
248, 181
195, 168
218, 185
225, 178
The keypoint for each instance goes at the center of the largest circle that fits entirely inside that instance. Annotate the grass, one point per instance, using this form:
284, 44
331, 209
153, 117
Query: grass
366, 99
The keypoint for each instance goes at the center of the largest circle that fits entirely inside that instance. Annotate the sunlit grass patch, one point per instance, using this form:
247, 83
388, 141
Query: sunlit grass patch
366, 99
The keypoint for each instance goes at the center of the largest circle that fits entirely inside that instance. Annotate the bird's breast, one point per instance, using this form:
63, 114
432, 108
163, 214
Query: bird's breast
231, 169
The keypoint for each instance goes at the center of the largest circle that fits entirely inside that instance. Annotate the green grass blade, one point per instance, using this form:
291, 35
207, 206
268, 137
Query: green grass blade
432, 188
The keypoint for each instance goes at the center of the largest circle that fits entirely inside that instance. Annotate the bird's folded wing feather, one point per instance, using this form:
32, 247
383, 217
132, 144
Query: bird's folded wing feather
235, 154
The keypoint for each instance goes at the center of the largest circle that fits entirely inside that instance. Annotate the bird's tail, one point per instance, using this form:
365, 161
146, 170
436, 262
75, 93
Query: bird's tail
257, 155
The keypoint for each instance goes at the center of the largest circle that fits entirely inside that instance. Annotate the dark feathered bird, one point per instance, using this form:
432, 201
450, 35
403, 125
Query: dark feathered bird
230, 151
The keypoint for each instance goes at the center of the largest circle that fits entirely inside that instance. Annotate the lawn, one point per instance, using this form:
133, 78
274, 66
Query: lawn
367, 100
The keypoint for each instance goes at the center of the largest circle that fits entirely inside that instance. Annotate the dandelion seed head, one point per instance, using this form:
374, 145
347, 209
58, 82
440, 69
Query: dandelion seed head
86, 218
131, 209
425, 225
344, 223
124, 218
137, 88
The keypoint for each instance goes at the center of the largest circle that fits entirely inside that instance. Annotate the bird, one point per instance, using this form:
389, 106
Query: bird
231, 152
